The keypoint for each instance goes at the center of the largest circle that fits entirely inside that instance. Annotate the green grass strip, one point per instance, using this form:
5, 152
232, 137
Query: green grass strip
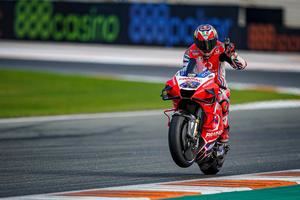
26, 93
280, 193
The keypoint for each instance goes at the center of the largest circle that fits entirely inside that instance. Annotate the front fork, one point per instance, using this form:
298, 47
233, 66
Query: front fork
194, 126
198, 123
194, 130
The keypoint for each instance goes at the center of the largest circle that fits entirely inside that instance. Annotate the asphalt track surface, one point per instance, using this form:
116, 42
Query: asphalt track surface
45, 157
283, 79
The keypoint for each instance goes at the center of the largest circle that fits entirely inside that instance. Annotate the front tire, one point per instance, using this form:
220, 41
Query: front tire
179, 144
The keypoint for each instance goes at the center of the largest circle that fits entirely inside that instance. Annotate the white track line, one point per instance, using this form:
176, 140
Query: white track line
82, 116
128, 55
248, 106
249, 86
170, 187
278, 104
46, 197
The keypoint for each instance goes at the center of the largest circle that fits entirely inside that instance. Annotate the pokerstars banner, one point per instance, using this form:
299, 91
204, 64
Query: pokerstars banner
156, 24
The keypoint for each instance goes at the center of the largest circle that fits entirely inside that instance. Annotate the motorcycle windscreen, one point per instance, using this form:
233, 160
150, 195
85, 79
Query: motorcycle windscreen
195, 68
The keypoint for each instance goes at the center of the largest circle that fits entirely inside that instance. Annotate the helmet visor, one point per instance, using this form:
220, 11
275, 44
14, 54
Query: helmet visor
206, 45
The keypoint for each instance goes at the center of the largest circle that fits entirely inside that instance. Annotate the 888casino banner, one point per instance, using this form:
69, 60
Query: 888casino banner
63, 21
157, 24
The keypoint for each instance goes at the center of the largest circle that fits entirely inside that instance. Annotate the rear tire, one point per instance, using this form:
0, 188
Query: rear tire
212, 164
210, 167
177, 141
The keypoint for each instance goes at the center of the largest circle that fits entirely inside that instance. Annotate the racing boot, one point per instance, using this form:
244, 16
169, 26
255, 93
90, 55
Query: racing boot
224, 102
223, 140
224, 137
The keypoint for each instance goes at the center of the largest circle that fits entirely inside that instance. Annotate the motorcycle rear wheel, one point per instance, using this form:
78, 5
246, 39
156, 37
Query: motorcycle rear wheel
180, 148
213, 164
210, 167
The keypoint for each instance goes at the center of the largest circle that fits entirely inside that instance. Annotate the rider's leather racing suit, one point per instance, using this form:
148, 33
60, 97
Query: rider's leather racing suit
216, 63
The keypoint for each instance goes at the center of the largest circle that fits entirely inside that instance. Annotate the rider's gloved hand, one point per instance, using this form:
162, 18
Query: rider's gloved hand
229, 47
164, 93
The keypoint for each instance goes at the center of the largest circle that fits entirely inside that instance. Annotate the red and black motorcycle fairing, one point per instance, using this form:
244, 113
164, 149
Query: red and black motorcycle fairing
197, 120
205, 95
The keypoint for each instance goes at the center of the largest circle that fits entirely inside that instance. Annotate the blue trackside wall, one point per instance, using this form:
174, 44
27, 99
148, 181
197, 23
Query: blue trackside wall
151, 24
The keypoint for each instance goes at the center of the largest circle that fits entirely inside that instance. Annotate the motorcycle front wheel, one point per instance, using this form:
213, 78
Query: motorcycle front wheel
180, 145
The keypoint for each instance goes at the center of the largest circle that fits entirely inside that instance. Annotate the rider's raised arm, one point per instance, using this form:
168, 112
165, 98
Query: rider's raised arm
232, 57
235, 61
238, 62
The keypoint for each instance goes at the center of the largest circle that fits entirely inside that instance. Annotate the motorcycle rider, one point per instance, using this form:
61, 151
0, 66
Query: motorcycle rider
213, 53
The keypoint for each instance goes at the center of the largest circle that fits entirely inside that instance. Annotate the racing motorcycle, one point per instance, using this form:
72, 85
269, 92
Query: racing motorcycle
193, 92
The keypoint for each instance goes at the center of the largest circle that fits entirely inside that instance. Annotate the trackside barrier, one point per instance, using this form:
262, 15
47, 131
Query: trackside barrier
156, 24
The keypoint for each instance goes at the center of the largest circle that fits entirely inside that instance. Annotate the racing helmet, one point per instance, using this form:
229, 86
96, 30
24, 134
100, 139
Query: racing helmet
205, 38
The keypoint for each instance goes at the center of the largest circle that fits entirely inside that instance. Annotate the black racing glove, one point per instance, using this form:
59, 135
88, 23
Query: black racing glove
229, 47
